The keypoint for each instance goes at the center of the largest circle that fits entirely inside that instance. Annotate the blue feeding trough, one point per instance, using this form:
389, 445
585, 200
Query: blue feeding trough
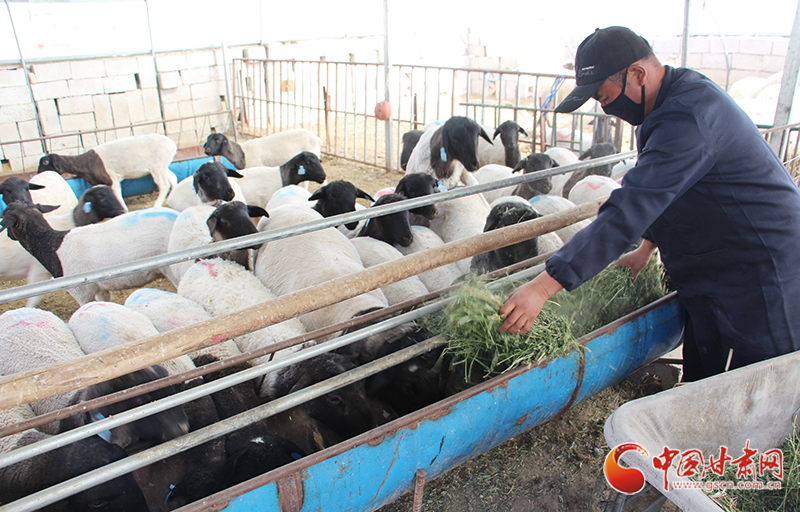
375, 468
144, 185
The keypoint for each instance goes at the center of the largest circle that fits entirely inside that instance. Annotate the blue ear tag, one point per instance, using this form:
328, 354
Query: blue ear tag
171, 488
442, 154
440, 186
87, 207
301, 171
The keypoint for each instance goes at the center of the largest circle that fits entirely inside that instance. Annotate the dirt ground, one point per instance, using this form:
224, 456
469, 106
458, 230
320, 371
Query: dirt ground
555, 467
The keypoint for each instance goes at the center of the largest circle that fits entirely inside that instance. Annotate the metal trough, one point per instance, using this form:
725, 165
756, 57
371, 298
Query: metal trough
375, 468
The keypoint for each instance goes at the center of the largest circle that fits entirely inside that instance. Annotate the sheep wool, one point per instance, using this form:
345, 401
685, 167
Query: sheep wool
103, 325
183, 195
460, 218
592, 187
301, 261
494, 172
435, 278
167, 311
548, 205
31, 339
222, 287
374, 252
56, 192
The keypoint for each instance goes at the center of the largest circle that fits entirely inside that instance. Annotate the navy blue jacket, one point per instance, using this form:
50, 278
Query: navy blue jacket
712, 195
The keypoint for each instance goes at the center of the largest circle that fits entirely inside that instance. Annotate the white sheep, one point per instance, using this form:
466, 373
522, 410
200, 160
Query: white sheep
460, 218
211, 182
269, 151
203, 224
503, 150
222, 287
102, 325
55, 191
548, 205
62, 464
129, 237
167, 311
258, 184
290, 194
374, 252
563, 157
31, 339
494, 172
111, 162
449, 152
17, 263
436, 278
592, 187
291, 264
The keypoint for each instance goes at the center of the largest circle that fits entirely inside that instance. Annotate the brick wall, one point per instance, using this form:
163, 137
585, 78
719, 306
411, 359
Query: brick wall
84, 95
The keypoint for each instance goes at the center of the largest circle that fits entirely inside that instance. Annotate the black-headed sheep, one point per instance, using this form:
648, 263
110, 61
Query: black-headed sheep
506, 150
209, 183
111, 162
415, 185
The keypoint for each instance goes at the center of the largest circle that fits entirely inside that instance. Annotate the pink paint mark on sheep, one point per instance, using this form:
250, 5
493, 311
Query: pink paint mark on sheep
210, 268
216, 339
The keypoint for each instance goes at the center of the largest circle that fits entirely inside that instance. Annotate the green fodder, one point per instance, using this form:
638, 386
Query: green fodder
785, 499
471, 322
609, 295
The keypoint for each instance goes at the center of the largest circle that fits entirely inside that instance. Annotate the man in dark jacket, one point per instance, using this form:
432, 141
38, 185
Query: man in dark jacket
707, 191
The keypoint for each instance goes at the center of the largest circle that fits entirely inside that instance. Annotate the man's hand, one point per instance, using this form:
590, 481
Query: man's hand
638, 259
526, 302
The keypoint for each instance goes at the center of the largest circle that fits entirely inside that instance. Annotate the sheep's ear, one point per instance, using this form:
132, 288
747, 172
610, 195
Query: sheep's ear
34, 186
303, 382
363, 195
46, 208
520, 164
555, 164
256, 211
522, 130
319, 194
496, 132
486, 136
212, 224
233, 173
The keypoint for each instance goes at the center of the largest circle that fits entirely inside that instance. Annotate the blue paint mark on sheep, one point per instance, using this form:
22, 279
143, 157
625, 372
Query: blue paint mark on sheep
145, 295
149, 213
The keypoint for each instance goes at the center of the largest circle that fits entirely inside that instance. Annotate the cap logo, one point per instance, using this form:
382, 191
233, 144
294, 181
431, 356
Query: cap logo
588, 70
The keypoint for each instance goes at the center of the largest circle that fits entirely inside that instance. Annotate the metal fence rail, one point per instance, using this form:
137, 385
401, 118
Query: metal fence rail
335, 100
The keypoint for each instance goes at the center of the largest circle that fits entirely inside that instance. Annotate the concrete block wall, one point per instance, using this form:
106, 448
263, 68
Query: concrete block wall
92, 94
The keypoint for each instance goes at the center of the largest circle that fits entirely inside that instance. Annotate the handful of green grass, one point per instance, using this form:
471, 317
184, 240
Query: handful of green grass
786, 499
471, 321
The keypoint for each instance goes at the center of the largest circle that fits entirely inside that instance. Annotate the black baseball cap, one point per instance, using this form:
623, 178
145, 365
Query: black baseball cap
607, 51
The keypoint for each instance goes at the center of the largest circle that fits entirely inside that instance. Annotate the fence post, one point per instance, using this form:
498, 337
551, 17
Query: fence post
389, 160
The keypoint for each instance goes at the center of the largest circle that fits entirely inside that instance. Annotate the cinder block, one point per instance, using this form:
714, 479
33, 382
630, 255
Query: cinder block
196, 75
773, 63
713, 61
87, 69
8, 133
146, 130
694, 61
52, 71
717, 45
120, 109
117, 84
508, 63
152, 107
89, 140
205, 90
167, 81
699, 45
12, 77
63, 146
75, 105
755, 46
136, 106
50, 90
121, 66
171, 62
48, 115
102, 111
747, 62
177, 95
171, 111
201, 58
185, 109
207, 105
780, 46
17, 113
147, 78
218, 73
667, 46
78, 122
84, 86
30, 130
17, 95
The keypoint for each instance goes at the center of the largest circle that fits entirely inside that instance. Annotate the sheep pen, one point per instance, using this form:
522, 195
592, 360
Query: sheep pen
556, 466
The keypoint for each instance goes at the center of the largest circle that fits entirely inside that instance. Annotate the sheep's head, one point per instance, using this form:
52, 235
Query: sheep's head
418, 185
392, 228
509, 132
13, 220
51, 162
210, 182
338, 197
532, 163
305, 166
460, 141
215, 145
233, 219
17, 189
